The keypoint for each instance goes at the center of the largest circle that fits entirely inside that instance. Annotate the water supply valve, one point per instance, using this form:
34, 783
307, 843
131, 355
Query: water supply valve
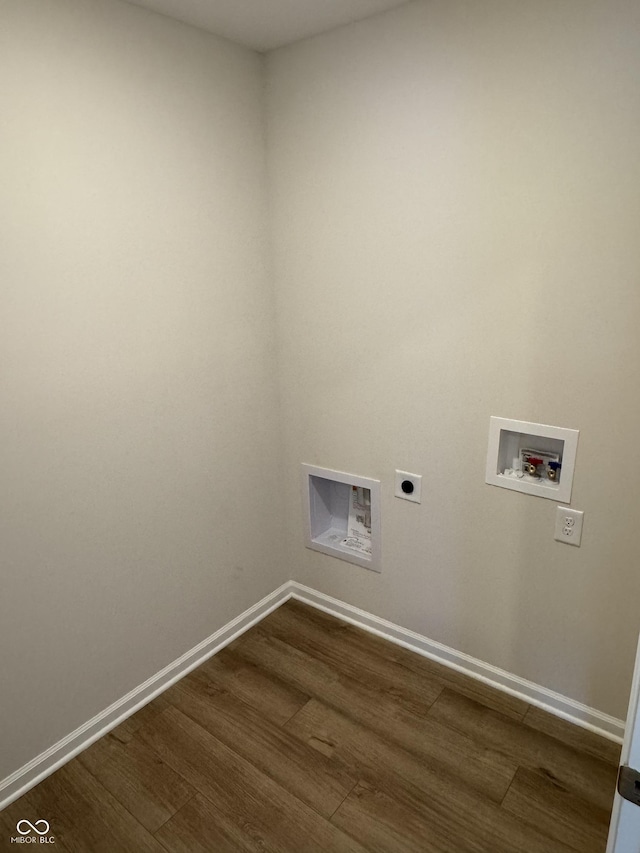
553, 470
532, 464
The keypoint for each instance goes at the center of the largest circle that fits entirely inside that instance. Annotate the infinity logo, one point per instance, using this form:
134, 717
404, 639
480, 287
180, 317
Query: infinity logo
32, 827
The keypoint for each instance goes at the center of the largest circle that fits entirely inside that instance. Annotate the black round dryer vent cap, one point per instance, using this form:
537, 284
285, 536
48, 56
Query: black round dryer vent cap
407, 487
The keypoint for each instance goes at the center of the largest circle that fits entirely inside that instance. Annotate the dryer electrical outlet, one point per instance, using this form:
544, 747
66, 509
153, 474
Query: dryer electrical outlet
408, 486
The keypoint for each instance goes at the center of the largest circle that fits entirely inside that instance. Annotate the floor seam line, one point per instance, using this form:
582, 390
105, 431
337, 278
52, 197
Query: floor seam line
341, 803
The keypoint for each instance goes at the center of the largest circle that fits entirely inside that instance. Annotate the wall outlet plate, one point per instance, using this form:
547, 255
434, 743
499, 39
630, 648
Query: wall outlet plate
408, 486
568, 525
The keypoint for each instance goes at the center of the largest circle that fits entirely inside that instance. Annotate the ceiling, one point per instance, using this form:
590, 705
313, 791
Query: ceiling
265, 24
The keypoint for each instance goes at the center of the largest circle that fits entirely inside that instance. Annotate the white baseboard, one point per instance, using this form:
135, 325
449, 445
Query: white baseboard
50, 760
43, 765
534, 694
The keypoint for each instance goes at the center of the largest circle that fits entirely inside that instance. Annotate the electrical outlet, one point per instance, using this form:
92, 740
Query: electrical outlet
408, 486
568, 525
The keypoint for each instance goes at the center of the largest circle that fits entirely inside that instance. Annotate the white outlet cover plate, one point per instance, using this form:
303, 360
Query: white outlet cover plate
416, 479
568, 525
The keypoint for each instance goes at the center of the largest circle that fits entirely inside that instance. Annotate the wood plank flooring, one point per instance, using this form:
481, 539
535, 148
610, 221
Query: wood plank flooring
307, 734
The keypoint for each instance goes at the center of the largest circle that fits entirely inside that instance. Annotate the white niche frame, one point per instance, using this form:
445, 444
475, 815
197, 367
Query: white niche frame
326, 496
507, 437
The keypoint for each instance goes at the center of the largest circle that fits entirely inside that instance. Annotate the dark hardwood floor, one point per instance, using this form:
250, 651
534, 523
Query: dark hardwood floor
307, 734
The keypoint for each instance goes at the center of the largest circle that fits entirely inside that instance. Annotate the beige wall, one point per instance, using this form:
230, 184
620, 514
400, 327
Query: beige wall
456, 212
455, 217
138, 429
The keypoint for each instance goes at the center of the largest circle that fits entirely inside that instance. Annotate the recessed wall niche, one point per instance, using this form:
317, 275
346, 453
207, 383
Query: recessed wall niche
536, 459
342, 513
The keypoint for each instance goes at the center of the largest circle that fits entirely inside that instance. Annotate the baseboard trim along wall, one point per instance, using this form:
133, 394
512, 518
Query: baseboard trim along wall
64, 750
534, 694
43, 765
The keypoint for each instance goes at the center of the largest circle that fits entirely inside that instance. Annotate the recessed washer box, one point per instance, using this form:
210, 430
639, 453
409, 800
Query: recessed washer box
517, 447
328, 498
